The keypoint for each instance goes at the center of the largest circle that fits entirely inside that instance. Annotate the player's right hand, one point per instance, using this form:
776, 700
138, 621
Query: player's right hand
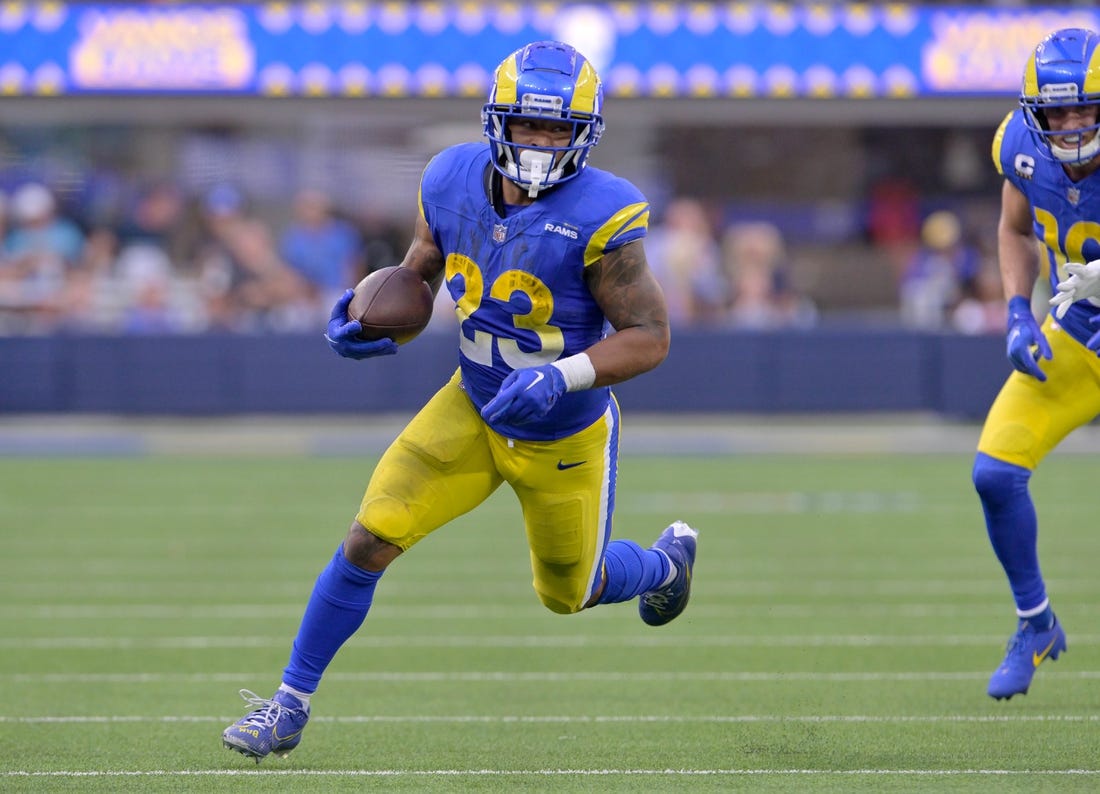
1094, 341
1083, 282
1026, 343
526, 395
343, 334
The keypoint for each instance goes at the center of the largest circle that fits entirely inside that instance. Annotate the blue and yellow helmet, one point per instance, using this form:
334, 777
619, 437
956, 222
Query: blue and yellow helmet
544, 80
1064, 71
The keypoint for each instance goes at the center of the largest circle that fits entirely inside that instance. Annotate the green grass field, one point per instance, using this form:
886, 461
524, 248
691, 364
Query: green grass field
846, 615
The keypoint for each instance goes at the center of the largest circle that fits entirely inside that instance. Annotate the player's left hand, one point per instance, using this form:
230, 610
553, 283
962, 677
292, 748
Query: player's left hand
343, 334
1083, 282
525, 395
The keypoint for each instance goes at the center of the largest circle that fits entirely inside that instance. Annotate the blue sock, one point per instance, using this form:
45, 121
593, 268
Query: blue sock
631, 571
337, 607
1013, 527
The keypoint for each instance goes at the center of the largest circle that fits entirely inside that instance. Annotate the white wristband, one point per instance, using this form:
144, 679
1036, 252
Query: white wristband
578, 372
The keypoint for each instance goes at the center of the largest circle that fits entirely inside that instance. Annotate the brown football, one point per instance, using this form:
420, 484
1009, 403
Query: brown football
393, 302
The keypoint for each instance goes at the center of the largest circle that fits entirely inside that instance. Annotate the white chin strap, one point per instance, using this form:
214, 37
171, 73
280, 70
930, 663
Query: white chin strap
1078, 154
533, 168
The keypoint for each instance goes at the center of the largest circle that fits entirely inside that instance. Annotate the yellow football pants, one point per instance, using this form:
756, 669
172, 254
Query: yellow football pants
447, 461
1029, 418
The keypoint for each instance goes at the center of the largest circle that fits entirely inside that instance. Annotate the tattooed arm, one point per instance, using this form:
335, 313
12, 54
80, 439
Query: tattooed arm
633, 303
423, 256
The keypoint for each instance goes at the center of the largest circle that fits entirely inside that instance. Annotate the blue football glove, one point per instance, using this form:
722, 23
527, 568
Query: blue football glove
343, 334
1094, 341
525, 395
1023, 335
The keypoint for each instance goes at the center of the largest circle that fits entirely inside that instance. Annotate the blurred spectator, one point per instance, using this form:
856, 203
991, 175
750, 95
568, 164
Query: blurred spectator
158, 218
762, 294
323, 249
155, 299
39, 231
893, 220
384, 240
88, 290
246, 285
154, 288
939, 273
40, 252
686, 261
983, 309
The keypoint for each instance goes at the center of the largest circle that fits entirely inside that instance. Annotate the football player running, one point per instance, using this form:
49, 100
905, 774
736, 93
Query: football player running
1048, 151
540, 253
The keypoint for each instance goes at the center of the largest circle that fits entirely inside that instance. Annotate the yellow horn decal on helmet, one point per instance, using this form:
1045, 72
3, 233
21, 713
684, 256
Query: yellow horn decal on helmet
1092, 73
588, 86
507, 74
1031, 79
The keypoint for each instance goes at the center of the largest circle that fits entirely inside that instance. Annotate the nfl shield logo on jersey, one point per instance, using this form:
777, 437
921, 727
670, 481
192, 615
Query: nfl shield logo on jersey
1074, 195
500, 231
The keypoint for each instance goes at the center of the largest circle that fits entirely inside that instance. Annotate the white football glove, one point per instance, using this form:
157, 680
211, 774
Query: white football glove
1083, 282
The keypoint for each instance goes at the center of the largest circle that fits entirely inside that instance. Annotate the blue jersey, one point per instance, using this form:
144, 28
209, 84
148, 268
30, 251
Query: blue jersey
1066, 214
518, 281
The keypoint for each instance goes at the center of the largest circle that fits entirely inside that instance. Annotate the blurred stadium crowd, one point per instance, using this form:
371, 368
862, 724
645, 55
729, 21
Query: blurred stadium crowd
167, 261
742, 274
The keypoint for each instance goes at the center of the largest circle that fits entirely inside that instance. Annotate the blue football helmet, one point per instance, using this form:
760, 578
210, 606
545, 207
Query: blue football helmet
1064, 71
544, 80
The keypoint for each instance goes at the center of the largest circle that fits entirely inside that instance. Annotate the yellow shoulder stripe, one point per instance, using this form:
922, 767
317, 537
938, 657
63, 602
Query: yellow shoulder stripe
998, 139
630, 217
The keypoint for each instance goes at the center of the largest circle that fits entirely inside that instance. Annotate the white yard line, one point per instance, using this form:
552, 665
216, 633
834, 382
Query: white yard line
544, 773
586, 719
528, 641
533, 677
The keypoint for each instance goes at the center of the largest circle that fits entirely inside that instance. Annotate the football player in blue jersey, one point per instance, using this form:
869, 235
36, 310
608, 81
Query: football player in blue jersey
541, 253
1048, 151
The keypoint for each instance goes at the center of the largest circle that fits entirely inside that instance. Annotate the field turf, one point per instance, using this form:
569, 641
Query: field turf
846, 615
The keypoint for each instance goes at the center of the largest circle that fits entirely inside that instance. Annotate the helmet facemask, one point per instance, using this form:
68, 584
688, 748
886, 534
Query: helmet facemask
1058, 143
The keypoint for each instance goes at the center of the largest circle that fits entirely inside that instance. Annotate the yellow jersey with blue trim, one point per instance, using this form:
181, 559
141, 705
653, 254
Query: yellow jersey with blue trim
1065, 214
518, 278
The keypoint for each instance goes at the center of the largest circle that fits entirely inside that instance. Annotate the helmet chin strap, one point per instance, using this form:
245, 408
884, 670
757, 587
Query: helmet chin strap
1079, 154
